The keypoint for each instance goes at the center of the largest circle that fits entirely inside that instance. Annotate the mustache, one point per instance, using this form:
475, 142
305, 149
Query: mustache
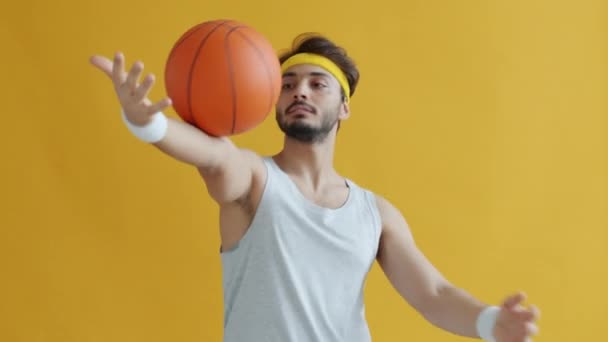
303, 104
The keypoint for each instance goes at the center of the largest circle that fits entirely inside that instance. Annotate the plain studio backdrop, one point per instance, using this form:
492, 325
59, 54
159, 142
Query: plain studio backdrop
485, 122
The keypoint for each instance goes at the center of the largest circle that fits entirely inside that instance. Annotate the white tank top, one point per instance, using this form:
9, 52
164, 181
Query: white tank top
299, 271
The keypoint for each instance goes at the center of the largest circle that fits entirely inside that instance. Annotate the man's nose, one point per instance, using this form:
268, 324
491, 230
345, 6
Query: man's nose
301, 92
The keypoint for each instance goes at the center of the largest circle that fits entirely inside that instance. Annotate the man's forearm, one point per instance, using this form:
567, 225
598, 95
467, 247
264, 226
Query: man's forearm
454, 310
190, 145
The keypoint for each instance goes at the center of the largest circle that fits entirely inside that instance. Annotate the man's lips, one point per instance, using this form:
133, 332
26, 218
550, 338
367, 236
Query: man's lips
300, 108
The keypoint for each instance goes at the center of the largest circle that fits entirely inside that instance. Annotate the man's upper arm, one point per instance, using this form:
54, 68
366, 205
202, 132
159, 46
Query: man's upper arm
408, 270
232, 179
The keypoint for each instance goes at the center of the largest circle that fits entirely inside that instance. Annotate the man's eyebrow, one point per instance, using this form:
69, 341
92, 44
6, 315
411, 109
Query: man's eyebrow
318, 73
314, 73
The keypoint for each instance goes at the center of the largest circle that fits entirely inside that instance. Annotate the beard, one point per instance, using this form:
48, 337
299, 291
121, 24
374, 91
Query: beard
304, 132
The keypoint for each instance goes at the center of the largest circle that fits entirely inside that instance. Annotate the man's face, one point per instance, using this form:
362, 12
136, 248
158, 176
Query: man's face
310, 104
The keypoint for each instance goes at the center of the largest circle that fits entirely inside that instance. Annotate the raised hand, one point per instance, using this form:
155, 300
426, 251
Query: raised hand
516, 323
132, 95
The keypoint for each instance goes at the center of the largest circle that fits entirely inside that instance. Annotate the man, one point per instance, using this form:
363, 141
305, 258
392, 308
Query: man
298, 239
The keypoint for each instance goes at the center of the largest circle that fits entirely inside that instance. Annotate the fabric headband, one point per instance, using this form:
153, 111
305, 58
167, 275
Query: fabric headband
323, 62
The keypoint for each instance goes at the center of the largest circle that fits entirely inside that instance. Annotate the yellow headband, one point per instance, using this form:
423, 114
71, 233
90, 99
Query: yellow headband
323, 62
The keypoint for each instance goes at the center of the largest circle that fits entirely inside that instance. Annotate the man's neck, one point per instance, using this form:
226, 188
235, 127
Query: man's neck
312, 163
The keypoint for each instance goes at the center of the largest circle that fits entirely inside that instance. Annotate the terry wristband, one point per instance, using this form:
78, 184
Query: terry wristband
152, 132
486, 322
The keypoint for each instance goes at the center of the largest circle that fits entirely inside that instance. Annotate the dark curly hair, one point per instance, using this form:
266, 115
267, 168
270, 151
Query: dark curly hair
317, 44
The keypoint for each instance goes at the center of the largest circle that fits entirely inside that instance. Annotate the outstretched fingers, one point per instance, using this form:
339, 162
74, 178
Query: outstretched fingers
159, 106
133, 76
118, 70
133, 96
512, 301
102, 63
142, 91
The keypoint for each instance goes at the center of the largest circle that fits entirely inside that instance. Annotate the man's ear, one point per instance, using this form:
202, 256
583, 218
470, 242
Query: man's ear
344, 111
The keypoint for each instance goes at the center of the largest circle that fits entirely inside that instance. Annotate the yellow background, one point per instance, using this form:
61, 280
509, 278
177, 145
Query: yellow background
485, 122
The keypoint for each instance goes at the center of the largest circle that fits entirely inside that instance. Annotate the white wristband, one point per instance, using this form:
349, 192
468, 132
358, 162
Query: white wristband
152, 132
486, 322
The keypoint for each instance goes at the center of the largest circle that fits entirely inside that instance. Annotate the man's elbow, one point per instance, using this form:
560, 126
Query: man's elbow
429, 305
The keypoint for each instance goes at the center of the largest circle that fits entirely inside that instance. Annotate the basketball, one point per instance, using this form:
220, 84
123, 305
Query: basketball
223, 77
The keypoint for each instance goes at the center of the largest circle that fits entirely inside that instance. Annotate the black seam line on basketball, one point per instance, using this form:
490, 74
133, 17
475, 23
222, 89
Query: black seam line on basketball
231, 76
268, 75
198, 28
184, 38
232, 21
191, 72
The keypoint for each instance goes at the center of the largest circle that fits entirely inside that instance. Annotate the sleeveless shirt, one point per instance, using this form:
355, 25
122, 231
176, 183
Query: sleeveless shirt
299, 271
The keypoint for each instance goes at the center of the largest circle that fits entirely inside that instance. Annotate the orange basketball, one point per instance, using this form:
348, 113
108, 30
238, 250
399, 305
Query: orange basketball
223, 76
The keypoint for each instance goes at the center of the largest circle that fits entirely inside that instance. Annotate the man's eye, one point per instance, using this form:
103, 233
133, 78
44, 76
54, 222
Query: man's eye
286, 86
319, 85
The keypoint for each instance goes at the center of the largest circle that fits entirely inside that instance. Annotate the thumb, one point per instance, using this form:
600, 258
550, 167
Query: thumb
511, 302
